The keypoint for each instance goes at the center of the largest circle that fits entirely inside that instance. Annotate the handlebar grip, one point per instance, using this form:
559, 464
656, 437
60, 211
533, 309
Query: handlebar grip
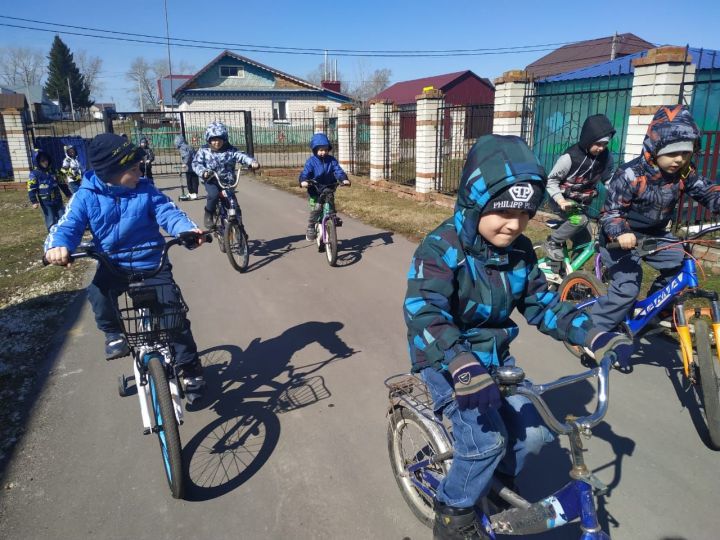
612, 245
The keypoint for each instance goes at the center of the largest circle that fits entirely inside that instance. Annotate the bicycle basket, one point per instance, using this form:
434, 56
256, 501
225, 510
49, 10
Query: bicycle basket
151, 313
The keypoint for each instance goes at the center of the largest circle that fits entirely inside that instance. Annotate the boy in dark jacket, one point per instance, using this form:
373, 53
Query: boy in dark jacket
324, 169
187, 153
465, 280
147, 160
641, 200
124, 212
574, 179
44, 188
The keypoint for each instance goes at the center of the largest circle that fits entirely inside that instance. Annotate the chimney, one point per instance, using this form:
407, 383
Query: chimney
331, 85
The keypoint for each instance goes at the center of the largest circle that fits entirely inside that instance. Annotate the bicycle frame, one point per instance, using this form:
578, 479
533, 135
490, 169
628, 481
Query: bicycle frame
573, 260
326, 198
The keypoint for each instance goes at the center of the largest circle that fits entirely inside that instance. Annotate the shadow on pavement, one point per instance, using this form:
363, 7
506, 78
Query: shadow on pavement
350, 250
263, 252
231, 449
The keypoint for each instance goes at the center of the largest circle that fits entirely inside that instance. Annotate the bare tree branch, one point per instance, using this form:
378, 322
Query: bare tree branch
21, 66
90, 67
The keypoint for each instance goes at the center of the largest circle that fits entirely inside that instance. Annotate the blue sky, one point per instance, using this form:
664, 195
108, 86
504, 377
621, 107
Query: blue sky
388, 25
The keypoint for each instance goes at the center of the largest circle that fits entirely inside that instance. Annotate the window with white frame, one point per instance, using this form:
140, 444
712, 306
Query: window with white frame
232, 71
279, 111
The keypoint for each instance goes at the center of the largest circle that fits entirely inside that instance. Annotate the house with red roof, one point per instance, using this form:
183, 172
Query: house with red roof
460, 88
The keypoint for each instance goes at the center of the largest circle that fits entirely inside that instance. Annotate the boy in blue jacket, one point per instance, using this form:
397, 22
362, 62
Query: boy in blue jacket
44, 188
324, 169
465, 280
124, 212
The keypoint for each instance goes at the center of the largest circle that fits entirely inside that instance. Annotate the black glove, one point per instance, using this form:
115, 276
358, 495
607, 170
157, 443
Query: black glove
474, 387
618, 346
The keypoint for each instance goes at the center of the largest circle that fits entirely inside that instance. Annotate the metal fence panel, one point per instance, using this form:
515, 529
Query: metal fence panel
459, 126
360, 142
400, 129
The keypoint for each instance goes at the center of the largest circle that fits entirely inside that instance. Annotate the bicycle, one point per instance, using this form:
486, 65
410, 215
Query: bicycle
420, 465
229, 228
150, 315
574, 259
703, 372
328, 222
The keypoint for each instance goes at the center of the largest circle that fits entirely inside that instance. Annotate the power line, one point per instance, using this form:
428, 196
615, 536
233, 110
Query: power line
198, 44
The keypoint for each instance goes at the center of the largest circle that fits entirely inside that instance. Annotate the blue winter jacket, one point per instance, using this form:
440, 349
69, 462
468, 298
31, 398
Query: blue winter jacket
324, 170
43, 186
120, 218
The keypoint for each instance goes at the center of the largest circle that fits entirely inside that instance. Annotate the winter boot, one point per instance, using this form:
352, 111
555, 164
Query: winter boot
554, 249
453, 523
115, 346
191, 377
208, 220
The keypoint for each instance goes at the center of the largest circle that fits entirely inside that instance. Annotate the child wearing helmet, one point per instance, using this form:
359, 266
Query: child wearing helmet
324, 169
218, 156
641, 200
465, 280
44, 188
148, 158
71, 168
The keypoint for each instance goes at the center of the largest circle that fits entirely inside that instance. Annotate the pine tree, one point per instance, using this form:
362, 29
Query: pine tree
61, 68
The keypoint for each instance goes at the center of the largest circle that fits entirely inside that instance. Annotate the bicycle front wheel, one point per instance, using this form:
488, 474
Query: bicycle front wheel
236, 246
709, 376
410, 442
331, 242
579, 287
166, 427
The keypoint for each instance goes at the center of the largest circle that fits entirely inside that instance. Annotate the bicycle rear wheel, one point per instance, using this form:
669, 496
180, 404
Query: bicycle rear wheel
166, 427
219, 232
410, 442
236, 246
576, 288
709, 377
331, 242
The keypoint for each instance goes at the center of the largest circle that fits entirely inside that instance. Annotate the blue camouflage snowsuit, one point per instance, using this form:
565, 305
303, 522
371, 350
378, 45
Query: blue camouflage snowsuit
44, 189
461, 293
641, 199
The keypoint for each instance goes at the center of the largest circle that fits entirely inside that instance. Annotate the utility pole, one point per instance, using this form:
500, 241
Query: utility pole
72, 108
140, 96
167, 36
613, 48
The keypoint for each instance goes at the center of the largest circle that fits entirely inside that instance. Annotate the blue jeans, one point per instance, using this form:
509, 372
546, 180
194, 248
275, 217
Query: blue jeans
501, 439
52, 212
103, 293
625, 280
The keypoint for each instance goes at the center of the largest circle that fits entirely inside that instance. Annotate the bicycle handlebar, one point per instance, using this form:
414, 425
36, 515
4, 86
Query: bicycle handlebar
512, 379
223, 184
189, 239
649, 245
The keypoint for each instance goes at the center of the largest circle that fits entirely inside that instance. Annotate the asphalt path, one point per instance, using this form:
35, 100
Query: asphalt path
291, 441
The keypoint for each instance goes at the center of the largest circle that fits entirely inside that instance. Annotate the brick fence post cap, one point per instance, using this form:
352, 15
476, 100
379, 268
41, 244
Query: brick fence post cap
320, 108
430, 93
380, 102
514, 75
663, 55
346, 107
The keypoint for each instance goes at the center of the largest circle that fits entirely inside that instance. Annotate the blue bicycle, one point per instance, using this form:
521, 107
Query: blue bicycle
701, 369
420, 447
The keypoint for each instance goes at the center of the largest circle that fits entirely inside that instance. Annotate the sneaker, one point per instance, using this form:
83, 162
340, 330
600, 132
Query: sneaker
554, 249
208, 220
338, 221
192, 196
191, 376
456, 524
115, 346
310, 234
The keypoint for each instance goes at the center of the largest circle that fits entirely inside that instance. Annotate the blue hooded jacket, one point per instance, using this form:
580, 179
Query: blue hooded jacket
119, 218
43, 186
324, 170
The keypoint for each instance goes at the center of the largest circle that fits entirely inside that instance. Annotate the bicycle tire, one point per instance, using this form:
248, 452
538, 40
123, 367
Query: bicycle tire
331, 242
220, 233
578, 287
709, 377
400, 420
236, 246
167, 427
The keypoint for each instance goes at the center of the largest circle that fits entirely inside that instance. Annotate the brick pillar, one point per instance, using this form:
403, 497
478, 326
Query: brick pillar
457, 135
346, 121
656, 82
426, 147
378, 158
320, 114
18, 143
509, 95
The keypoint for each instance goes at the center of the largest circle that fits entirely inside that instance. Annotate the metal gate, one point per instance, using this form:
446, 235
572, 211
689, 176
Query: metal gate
360, 142
400, 128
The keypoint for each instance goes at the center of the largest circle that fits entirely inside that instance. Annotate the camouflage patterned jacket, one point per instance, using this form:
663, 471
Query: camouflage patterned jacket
641, 198
222, 162
462, 290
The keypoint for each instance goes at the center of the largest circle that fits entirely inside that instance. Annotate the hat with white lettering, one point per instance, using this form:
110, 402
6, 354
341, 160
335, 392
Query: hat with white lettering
525, 196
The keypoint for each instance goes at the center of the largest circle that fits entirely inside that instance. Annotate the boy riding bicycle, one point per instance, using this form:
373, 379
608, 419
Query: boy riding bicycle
124, 213
641, 200
218, 156
466, 278
573, 181
324, 169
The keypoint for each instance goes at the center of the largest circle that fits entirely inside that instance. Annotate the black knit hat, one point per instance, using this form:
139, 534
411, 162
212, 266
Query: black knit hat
525, 196
111, 154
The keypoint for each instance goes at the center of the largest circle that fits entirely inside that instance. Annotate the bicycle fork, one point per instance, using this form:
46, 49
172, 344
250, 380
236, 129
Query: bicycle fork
143, 392
685, 338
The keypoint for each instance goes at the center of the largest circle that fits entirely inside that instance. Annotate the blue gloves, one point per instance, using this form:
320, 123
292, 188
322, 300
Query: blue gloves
619, 346
474, 387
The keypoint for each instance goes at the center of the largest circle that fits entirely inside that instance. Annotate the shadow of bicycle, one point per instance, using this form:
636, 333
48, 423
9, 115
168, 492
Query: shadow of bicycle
263, 252
252, 387
350, 250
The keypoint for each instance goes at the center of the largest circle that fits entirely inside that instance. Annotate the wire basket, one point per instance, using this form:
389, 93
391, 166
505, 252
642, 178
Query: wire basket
152, 314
